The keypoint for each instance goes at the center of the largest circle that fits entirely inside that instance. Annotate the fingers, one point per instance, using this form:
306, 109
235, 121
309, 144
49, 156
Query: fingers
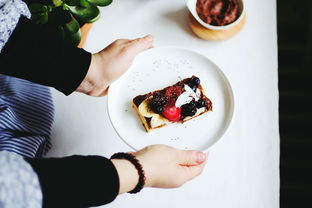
193, 165
103, 93
121, 41
141, 44
192, 157
193, 171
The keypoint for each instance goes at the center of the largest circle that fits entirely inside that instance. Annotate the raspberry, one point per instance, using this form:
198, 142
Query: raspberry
173, 92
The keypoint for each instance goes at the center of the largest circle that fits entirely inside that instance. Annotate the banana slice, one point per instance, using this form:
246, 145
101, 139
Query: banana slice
145, 110
158, 120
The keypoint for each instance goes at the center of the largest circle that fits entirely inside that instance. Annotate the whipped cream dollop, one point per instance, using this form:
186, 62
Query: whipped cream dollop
187, 96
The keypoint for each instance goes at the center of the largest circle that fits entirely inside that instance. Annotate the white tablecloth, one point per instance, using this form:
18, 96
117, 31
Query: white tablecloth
243, 168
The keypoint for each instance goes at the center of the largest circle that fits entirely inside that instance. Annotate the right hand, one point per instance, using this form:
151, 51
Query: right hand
164, 167
167, 167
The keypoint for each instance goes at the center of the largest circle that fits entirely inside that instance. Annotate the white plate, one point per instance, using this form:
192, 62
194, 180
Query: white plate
158, 68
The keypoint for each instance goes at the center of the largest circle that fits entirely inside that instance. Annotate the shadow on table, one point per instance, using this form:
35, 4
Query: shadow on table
180, 17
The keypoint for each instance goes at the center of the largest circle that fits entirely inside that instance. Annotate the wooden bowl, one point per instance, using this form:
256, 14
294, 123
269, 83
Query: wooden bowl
208, 34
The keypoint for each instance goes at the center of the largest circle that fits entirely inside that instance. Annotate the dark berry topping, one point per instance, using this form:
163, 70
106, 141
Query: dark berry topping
173, 92
192, 86
188, 109
159, 98
200, 103
192, 103
195, 81
157, 102
158, 109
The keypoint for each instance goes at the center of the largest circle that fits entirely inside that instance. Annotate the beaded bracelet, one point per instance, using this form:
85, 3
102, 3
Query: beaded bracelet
137, 165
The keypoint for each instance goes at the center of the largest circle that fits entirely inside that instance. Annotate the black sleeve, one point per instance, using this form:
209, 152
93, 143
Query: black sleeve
76, 181
35, 54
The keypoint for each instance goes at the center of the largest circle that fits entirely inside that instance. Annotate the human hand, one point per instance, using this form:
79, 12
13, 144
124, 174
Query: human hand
164, 167
167, 167
110, 63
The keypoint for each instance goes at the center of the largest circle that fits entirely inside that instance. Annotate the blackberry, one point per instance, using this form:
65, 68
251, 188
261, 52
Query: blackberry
200, 103
159, 98
158, 101
188, 109
192, 103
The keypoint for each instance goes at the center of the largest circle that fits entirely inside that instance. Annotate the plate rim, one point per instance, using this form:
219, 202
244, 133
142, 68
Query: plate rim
220, 71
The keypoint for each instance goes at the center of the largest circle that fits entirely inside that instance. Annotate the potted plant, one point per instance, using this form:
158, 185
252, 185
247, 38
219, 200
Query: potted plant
68, 19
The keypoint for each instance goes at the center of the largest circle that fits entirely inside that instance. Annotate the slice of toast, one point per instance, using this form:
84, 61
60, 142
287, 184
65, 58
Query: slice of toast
180, 102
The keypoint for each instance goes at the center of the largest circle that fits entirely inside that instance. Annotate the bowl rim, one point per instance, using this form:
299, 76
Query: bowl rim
191, 5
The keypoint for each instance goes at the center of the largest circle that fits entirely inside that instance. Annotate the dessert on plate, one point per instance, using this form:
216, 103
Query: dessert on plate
180, 102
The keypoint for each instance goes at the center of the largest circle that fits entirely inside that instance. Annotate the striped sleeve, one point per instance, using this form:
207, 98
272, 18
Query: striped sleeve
26, 117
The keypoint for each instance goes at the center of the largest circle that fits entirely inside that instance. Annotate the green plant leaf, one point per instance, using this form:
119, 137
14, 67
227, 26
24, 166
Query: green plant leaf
40, 18
59, 16
101, 2
83, 3
38, 8
72, 2
73, 38
57, 3
72, 26
86, 14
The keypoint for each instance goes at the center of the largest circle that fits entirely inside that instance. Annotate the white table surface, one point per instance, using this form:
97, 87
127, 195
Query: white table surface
243, 168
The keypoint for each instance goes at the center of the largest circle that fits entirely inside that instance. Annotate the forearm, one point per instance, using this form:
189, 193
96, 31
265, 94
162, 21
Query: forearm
76, 181
34, 53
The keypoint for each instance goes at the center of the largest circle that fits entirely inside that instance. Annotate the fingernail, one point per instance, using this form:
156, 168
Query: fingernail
201, 157
149, 38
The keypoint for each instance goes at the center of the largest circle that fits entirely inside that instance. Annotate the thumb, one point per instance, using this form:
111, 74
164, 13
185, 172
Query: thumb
192, 157
191, 172
141, 44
